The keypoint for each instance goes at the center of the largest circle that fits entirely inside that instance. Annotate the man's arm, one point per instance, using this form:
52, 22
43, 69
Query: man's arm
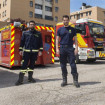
76, 45
57, 41
22, 44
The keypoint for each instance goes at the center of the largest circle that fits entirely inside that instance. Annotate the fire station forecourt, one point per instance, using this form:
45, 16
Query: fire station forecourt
47, 89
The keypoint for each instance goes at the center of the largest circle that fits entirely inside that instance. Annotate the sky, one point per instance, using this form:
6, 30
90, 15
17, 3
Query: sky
76, 4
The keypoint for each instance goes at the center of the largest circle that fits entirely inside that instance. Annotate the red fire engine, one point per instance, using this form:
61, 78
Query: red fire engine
10, 37
91, 39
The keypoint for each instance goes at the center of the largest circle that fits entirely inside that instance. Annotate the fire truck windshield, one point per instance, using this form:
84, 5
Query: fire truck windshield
96, 29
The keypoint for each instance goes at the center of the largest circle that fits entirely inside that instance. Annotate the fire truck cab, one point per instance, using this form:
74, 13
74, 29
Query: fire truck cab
91, 40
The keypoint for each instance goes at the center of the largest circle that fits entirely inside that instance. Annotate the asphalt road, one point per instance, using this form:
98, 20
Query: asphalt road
47, 89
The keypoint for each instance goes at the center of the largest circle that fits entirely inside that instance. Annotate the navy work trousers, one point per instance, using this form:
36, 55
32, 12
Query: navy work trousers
28, 56
67, 52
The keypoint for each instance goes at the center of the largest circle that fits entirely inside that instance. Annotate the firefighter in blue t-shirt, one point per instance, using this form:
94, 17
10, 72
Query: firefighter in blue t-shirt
66, 34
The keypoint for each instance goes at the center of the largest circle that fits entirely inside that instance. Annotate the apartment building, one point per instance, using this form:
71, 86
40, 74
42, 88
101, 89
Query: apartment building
90, 12
44, 12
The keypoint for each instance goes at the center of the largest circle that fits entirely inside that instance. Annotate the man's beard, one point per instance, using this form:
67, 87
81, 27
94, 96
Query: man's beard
66, 24
32, 28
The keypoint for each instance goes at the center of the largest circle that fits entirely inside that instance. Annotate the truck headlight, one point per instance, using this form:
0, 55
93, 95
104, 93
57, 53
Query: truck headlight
90, 52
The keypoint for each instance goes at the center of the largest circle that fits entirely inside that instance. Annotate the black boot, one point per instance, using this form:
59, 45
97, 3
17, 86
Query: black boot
75, 80
30, 79
64, 83
20, 80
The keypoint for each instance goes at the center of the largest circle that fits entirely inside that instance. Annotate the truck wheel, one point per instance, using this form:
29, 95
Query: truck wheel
77, 60
91, 60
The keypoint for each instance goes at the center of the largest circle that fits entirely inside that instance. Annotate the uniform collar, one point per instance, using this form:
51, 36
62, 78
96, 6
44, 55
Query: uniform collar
33, 31
66, 26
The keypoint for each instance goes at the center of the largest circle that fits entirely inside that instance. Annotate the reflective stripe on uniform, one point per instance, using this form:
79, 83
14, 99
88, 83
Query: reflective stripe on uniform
22, 62
30, 50
41, 48
20, 48
27, 50
29, 70
23, 71
35, 50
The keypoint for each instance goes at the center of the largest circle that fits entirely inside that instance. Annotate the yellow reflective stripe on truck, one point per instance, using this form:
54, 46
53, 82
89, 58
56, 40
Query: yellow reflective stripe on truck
101, 54
81, 42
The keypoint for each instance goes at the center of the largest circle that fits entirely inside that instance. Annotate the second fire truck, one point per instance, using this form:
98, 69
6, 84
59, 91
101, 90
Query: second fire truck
91, 39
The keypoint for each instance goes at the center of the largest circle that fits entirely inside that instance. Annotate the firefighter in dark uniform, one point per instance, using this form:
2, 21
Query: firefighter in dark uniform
67, 33
32, 43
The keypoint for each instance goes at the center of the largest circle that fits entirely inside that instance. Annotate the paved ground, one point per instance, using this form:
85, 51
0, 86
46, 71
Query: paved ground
47, 90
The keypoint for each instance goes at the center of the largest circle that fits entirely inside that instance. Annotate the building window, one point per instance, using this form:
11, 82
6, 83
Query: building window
5, 2
30, 14
38, 24
48, 0
81, 14
86, 13
78, 16
56, 1
31, 3
47, 25
48, 17
74, 16
5, 12
56, 9
38, 6
0, 6
48, 8
2, 14
90, 12
56, 18
38, 16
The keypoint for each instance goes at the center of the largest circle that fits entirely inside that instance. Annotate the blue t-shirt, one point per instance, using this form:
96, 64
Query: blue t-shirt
66, 34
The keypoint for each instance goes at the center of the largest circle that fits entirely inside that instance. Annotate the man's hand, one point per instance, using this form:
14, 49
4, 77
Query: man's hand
40, 53
21, 53
57, 51
76, 51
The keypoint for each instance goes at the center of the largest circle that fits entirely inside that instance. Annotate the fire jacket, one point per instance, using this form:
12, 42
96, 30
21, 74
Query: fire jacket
31, 41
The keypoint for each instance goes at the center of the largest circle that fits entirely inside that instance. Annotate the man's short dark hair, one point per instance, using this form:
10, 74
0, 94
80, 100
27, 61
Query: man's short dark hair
66, 16
32, 21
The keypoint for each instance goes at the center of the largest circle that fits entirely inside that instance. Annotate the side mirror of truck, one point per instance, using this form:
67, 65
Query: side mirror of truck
17, 24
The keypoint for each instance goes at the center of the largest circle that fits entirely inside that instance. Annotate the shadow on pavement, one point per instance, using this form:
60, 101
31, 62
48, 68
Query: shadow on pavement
86, 83
47, 66
48, 80
7, 79
89, 83
44, 80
